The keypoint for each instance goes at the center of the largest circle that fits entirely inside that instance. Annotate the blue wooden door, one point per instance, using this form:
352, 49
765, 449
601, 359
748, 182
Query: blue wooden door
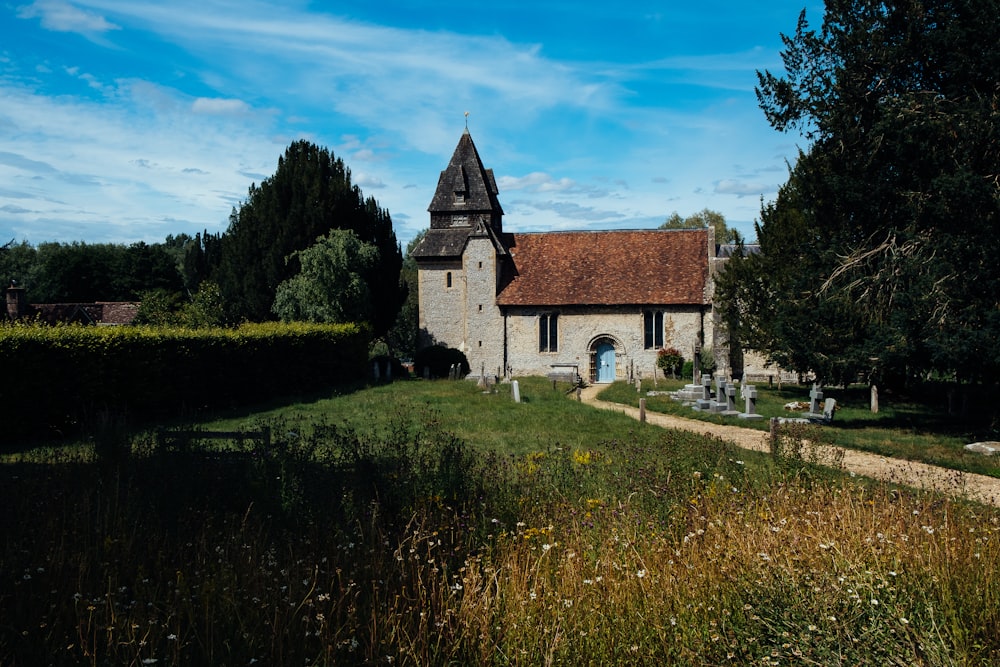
605, 362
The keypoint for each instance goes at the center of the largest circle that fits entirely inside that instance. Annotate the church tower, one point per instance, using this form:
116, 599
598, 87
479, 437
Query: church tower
460, 261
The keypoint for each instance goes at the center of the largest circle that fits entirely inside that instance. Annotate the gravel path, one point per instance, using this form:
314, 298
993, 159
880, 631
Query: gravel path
980, 488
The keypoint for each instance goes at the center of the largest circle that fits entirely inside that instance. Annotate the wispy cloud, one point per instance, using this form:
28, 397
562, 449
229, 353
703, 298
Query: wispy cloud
142, 142
64, 17
744, 188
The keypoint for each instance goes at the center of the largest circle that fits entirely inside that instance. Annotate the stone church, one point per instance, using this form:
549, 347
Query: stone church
597, 303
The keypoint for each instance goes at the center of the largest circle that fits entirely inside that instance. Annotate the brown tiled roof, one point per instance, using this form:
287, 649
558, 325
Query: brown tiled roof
100, 312
651, 267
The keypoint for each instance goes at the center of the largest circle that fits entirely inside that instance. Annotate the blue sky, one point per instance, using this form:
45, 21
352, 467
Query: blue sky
126, 121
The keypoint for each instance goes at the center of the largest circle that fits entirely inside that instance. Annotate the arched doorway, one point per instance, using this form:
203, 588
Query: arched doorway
602, 360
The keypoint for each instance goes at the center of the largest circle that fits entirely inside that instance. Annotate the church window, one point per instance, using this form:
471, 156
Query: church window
459, 197
447, 279
652, 329
548, 333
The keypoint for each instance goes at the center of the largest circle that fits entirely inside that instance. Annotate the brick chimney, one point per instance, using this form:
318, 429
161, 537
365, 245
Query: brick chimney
15, 301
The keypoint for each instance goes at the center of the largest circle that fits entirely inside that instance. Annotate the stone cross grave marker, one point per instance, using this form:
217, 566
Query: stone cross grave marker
750, 396
815, 396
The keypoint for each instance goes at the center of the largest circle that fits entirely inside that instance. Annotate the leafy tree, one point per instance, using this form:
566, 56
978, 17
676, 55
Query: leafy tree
309, 195
158, 307
201, 256
703, 219
402, 338
894, 208
205, 308
16, 262
331, 285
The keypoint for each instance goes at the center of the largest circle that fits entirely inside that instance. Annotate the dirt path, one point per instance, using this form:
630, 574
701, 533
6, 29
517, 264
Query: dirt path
980, 488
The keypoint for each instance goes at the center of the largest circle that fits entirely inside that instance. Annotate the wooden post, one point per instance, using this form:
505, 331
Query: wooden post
642, 410
774, 436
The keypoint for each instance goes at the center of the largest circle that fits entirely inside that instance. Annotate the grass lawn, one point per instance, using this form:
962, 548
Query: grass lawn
906, 429
429, 523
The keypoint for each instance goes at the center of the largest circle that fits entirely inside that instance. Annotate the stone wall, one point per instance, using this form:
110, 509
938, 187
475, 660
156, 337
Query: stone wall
483, 336
441, 314
581, 327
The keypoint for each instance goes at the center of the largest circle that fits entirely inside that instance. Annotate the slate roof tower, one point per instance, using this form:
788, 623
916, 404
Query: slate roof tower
461, 259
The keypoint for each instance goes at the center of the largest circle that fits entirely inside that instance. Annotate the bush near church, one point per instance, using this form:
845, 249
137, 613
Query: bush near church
670, 360
439, 359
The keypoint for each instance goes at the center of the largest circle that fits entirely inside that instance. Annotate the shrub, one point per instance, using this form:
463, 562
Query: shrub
669, 359
439, 359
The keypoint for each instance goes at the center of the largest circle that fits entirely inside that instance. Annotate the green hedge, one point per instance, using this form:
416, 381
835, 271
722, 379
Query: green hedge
57, 379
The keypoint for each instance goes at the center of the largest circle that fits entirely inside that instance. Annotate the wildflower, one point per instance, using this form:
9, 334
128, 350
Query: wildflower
640, 574
171, 636
588, 582
904, 620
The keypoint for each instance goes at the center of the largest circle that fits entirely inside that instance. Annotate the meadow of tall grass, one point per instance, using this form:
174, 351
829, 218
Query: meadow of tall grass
376, 529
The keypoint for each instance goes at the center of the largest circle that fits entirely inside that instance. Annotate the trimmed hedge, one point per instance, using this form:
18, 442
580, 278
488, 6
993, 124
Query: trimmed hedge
57, 379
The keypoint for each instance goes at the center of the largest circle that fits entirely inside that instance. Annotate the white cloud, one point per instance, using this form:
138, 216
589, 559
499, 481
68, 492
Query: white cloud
64, 17
216, 106
743, 188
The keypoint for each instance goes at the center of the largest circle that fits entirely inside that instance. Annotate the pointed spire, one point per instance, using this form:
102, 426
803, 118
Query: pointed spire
466, 190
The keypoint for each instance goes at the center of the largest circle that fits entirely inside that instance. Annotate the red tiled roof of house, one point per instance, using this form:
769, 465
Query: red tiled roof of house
607, 268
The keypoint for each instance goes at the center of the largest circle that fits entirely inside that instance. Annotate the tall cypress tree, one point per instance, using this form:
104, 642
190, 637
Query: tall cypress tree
309, 195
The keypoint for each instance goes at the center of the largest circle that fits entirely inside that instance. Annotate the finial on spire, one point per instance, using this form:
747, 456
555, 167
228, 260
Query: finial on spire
467, 120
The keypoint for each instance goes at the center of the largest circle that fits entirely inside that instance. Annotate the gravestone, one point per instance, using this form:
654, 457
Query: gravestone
704, 400
720, 403
696, 364
515, 390
815, 396
375, 370
730, 410
750, 408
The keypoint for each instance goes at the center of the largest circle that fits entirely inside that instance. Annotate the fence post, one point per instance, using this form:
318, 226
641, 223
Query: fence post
773, 436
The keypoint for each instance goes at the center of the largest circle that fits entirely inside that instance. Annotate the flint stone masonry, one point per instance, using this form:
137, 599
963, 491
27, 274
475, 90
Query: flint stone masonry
485, 291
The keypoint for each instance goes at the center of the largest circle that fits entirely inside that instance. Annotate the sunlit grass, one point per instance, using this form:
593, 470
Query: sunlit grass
906, 429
